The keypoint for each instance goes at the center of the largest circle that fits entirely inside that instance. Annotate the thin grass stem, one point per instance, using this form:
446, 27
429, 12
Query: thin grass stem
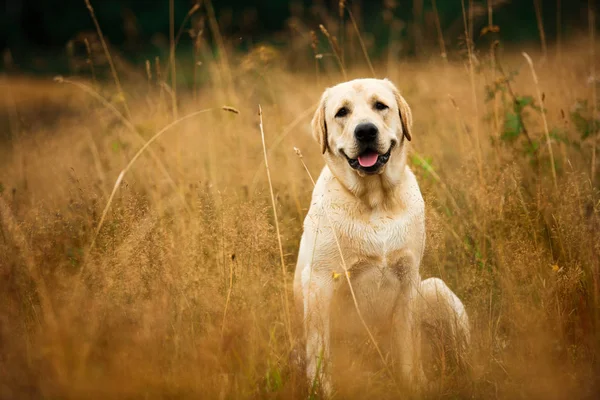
282, 258
546, 130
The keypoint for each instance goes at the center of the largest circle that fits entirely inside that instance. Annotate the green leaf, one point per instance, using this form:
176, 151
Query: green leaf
521, 102
490, 92
524, 100
425, 163
512, 126
274, 380
512, 75
531, 148
585, 125
559, 136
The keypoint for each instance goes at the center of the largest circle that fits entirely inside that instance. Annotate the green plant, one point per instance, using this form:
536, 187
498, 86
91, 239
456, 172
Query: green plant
584, 119
514, 130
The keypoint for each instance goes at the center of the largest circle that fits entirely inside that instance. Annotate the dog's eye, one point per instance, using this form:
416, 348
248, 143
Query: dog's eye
380, 106
342, 112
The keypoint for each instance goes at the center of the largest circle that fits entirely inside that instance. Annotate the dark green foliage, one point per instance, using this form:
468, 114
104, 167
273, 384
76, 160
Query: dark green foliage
584, 121
28, 26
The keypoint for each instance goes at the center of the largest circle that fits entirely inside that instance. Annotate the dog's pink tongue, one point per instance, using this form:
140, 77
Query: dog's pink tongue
368, 159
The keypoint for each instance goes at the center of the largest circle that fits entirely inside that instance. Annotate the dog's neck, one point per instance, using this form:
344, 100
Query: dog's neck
381, 191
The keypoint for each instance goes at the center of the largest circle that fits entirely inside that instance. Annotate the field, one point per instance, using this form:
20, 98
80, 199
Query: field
167, 282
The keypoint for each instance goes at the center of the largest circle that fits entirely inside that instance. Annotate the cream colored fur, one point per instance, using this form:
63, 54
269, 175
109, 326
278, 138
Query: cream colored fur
379, 220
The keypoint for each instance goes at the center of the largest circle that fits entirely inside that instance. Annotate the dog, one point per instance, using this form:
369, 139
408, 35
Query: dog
364, 234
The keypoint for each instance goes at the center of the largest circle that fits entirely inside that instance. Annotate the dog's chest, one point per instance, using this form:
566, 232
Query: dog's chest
378, 235
382, 254
383, 241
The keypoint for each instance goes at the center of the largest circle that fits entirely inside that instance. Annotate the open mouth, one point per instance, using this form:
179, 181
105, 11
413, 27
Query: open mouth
370, 161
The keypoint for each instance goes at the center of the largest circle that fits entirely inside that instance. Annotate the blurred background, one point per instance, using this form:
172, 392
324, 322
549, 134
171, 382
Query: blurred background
40, 34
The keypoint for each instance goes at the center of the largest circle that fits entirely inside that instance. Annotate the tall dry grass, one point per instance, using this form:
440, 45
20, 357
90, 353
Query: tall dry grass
181, 295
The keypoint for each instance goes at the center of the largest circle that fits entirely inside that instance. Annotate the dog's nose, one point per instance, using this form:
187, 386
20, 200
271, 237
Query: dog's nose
366, 132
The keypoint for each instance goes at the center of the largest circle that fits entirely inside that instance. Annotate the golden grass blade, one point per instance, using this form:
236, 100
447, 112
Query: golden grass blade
546, 130
282, 259
187, 17
113, 70
438, 27
214, 27
593, 78
229, 290
336, 50
468, 25
172, 58
361, 41
540, 23
288, 129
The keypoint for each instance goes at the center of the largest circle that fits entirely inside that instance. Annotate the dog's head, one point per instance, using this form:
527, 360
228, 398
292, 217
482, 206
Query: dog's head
361, 126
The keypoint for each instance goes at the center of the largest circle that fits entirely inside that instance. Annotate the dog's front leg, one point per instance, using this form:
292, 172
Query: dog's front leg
408, 338
318, 292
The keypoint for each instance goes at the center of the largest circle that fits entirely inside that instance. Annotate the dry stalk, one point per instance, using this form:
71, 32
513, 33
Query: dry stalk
468, 42
189, 14
341, 34
90, 60
113, 70
461, 125
438, 27
361, 41
468, 39
558, 31
159, 81
543, 112
335, 48
282, 258
592, 28
149, 74
172, 58
493, 67
314, 44
417, 31
470, 23
228, 294
288, 129
540, 23
214, 27
197, 63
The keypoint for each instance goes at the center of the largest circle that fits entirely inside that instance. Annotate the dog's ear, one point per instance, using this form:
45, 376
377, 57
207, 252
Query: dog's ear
404, 109
319, 125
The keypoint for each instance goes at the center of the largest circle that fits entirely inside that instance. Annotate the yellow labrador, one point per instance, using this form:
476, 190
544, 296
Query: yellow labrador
367, 199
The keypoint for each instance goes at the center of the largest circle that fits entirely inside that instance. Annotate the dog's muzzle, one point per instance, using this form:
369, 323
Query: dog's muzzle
369, 160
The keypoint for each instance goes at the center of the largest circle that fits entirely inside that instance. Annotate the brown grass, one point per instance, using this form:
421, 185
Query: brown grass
146, 317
